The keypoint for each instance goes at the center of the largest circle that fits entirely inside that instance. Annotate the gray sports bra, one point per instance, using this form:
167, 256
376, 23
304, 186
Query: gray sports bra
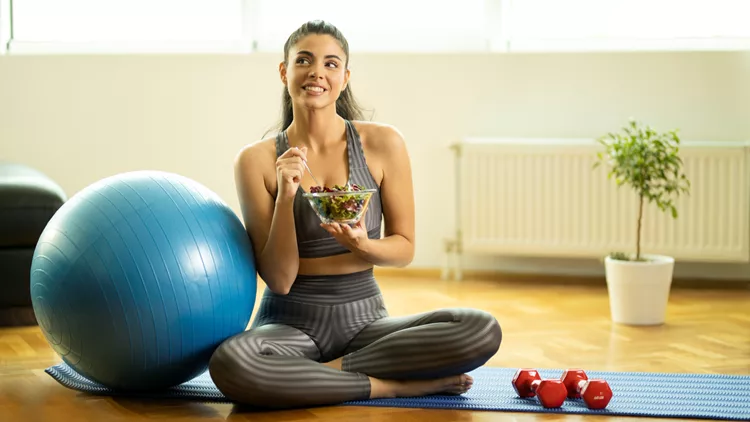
312, 240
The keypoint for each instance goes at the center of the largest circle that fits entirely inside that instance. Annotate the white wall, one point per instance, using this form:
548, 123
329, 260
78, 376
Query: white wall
82, 118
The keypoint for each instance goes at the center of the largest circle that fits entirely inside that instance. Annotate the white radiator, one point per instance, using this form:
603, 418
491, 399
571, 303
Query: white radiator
540, 197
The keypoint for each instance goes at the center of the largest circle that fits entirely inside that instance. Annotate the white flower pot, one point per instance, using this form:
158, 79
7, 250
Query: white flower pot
639, 291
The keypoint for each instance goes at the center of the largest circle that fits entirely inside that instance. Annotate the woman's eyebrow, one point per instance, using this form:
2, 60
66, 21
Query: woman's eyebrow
330, 56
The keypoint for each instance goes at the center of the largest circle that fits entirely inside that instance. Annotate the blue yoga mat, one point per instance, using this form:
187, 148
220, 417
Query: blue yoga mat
670, 395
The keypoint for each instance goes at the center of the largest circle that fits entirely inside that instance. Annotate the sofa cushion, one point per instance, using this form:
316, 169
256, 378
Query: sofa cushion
28, 199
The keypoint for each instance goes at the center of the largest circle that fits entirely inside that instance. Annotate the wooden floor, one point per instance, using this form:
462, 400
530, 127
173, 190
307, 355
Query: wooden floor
546, 325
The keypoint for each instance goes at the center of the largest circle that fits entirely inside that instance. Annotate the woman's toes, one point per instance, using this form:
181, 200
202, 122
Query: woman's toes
465, 380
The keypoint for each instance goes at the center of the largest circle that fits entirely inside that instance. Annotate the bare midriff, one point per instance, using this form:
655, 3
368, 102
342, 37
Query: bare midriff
337, 264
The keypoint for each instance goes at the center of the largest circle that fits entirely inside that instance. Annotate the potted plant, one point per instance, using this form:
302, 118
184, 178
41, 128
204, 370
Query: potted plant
648, 162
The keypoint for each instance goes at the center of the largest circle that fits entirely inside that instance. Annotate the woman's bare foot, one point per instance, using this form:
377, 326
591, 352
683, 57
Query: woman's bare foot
457, 384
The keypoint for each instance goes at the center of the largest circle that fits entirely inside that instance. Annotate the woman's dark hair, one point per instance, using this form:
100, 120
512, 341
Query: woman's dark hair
346, 105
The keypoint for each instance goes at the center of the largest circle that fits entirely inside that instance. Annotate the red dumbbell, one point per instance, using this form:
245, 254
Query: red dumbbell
595, 392
549, 392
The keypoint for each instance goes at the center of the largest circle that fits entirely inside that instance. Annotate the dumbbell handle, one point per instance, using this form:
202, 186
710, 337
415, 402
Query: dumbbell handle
579, 386
533, 386
574, 390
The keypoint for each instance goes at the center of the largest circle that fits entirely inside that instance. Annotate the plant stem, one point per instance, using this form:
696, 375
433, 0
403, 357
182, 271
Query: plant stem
638, 234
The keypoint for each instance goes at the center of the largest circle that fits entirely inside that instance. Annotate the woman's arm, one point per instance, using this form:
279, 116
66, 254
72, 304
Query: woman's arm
269, 222
396, 248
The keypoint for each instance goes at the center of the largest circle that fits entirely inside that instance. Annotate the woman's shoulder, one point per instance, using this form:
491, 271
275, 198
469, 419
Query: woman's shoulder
378, 136
257, 153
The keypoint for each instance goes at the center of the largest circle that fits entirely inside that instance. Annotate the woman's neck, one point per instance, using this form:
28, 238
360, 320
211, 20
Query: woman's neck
316, 129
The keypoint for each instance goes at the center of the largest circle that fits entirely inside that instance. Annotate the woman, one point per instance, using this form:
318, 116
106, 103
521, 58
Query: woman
322, 335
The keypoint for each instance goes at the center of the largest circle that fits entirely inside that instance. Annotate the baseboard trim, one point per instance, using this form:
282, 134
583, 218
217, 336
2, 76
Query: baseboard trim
19, 316
512, 277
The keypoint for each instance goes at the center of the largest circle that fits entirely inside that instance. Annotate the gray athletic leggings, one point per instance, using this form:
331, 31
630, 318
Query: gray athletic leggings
277, 362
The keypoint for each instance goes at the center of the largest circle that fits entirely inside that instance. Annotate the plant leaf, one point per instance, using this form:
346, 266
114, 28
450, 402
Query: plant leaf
647, 161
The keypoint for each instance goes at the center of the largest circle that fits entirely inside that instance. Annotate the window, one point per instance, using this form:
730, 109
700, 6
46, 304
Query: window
628, 24
377, 26
128, 25
414, 26
4, 25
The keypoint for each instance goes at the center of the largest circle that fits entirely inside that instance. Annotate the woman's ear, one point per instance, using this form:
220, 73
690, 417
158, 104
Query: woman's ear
347, 75
282, 72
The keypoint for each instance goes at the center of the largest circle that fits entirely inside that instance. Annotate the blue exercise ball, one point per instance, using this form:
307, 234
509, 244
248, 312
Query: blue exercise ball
139, 277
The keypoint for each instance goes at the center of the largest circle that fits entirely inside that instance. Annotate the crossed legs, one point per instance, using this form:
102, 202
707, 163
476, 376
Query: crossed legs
278, 366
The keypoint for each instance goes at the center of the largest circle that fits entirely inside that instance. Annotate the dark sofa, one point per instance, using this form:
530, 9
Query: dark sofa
28, 199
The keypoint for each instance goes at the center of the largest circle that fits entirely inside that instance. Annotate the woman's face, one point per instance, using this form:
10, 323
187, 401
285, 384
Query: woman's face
316, 71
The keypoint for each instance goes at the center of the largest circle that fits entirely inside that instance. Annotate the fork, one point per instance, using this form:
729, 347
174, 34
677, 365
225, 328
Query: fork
313, 176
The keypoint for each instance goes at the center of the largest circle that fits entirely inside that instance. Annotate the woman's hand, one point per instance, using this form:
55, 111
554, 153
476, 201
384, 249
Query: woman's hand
353, 238
289, 170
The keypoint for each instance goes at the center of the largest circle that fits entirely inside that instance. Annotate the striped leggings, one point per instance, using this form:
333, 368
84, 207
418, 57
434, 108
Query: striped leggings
277, 362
